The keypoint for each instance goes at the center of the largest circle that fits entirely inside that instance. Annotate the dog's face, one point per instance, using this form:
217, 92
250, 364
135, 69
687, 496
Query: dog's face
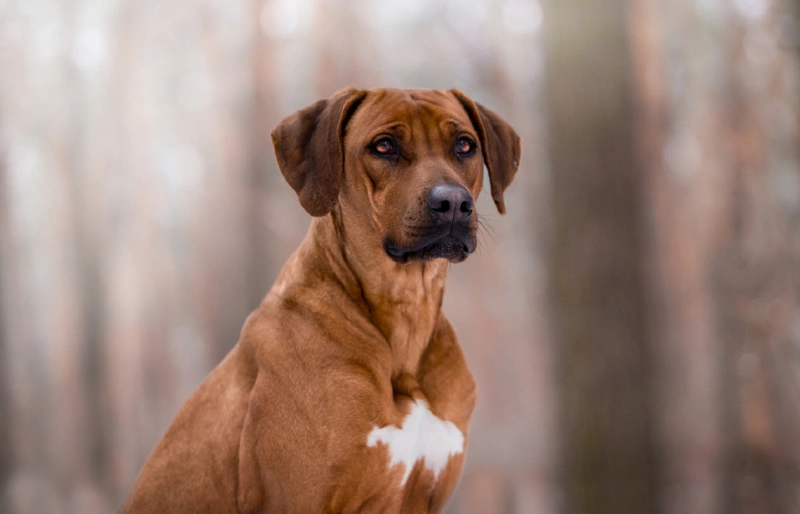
405, 166
414, 156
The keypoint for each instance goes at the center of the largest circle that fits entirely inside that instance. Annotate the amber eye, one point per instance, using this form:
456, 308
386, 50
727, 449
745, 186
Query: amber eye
464, 146
384, 146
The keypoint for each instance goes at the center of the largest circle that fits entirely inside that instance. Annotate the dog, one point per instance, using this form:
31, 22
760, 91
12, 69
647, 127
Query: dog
348, 390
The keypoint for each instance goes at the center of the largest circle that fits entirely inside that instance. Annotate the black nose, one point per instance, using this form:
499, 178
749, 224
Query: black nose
448, 202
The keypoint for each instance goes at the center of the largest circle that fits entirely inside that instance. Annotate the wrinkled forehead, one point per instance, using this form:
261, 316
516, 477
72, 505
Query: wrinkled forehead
415, 110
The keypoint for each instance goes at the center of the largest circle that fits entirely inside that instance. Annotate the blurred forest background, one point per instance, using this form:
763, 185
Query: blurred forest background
633, 324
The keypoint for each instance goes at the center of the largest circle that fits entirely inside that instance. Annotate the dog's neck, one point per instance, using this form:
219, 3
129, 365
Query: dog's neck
402, 300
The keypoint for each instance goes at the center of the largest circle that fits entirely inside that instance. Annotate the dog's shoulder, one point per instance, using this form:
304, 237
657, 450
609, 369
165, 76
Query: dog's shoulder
301, 322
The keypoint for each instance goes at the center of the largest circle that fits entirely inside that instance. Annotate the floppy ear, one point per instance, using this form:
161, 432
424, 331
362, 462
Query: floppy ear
500, 145
309, 149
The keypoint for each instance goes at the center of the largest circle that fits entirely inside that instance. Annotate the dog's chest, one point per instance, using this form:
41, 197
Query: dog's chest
422, 438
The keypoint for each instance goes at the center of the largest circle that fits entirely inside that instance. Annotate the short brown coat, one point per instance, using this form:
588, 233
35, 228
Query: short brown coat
346, 338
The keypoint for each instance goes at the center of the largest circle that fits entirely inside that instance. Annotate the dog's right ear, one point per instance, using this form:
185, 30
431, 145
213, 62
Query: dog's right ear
310, 152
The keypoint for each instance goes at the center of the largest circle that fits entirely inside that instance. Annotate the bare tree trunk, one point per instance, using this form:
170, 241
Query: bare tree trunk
757, 307
6, 455
597, 279
685, 352
262, 266
90, 297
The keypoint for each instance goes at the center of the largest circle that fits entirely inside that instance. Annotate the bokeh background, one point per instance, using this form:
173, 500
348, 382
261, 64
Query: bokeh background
632, 324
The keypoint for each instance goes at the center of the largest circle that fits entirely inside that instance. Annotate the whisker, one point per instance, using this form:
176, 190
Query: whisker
483, 223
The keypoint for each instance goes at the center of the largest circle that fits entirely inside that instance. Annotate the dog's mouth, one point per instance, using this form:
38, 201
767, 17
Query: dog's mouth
450, 246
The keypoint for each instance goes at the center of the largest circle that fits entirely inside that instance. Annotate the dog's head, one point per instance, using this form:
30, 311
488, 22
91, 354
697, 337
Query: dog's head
405, 166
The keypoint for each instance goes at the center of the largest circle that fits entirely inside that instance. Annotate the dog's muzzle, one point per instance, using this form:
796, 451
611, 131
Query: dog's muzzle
450, 234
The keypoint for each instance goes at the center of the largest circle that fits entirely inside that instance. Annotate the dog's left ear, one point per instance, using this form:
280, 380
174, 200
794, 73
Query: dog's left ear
309, 147
500, 144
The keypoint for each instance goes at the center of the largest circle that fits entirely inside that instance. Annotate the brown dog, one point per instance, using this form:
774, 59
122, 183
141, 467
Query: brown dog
348, 390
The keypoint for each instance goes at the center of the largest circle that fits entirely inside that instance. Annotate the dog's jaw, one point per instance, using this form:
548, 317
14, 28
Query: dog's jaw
450, 247
454, 241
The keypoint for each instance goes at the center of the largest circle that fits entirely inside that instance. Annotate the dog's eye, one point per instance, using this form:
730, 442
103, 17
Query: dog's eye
384, 146
464, 146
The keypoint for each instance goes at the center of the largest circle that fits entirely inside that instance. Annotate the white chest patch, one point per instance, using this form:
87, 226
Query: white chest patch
422, 436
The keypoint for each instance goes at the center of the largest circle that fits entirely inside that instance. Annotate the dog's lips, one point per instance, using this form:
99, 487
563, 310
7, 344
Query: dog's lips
447, 246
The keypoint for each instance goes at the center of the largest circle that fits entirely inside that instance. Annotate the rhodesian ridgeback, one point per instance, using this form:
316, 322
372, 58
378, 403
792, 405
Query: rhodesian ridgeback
348, 390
